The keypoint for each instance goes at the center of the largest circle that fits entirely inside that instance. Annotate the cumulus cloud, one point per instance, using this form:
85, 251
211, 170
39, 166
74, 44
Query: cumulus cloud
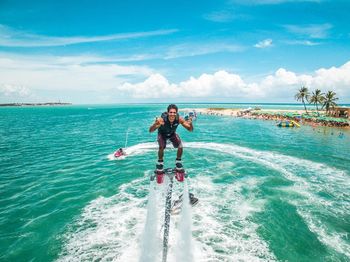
220, 84
264, 44
280, 86
14, 91
15, 94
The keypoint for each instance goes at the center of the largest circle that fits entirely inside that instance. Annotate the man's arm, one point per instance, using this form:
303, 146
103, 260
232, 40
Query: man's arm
186, 124
159, 121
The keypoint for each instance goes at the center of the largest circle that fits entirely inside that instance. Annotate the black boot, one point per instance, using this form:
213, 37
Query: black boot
179, 171
178, 166
159, 172
159, 166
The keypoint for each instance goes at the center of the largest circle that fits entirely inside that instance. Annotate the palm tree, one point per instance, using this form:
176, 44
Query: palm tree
329, 101
303, 94
317, 98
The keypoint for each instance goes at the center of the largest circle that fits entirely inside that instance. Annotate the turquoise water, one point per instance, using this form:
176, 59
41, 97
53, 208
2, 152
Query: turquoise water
266, 193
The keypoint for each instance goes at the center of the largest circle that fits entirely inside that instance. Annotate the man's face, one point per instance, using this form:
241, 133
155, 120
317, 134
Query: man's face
172, 114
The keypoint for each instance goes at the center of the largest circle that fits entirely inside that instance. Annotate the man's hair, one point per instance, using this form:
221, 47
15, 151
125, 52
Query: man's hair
172, 106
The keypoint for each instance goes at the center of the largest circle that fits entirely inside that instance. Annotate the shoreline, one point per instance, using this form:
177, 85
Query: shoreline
298, 116
36, 104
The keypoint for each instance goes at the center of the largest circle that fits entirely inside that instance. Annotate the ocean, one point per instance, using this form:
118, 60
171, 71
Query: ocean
265, 193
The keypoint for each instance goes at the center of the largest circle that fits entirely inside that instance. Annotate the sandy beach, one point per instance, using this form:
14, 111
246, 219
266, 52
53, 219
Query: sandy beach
214, 111
236, 111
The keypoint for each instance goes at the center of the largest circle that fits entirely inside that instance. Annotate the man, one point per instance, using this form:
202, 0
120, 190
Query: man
120, 152
167, 125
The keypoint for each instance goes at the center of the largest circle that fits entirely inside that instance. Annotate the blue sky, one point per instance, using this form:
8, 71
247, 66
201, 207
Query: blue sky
181, 51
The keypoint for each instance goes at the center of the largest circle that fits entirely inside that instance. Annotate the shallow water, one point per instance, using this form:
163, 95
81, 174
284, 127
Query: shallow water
265, 193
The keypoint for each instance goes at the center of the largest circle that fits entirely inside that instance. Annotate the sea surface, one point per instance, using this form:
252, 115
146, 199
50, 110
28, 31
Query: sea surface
265, 193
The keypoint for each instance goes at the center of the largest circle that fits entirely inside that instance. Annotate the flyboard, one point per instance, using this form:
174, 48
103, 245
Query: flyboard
171, 207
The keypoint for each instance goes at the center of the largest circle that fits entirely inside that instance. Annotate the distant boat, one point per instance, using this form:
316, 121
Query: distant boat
288, 124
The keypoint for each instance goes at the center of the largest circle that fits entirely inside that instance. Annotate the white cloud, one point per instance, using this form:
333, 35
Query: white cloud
318, 31
302, 42
16, 38
58, 75
280, 86
193, 49
14, 91
15, 94
264, 43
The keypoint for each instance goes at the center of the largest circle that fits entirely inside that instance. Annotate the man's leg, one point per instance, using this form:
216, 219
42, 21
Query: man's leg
177, 143
160, 153
159, 166
162, 145
179, 153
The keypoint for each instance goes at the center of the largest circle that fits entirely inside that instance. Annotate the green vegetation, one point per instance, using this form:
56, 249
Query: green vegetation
329, 101
317, 98
303, 94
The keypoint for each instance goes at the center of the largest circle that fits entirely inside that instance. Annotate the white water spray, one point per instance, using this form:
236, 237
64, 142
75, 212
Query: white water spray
149, 241
126, 138
184, 244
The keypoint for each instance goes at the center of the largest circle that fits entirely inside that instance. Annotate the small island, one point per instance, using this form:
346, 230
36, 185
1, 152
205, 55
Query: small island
37, 104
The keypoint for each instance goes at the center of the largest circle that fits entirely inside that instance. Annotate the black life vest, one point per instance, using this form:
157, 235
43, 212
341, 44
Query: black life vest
168, 129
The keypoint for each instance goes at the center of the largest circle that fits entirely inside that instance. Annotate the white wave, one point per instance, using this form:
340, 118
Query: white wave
309, 179
336, 240
222, 226
105, 229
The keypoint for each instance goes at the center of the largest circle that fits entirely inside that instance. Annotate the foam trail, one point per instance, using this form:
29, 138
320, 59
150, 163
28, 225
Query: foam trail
318, 178
184, 245
149, 242
224, 229
138, 149
106, 229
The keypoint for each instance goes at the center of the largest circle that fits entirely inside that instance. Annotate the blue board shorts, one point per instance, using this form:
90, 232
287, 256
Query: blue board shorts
174, 139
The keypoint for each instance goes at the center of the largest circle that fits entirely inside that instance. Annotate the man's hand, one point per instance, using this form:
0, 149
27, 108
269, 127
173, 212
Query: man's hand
187, 123
157, 123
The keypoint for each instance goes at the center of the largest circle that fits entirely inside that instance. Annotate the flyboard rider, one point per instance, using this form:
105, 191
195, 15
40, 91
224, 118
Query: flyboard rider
167, 125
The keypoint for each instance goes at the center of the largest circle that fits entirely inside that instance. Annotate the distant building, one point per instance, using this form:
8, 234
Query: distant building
340, 111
